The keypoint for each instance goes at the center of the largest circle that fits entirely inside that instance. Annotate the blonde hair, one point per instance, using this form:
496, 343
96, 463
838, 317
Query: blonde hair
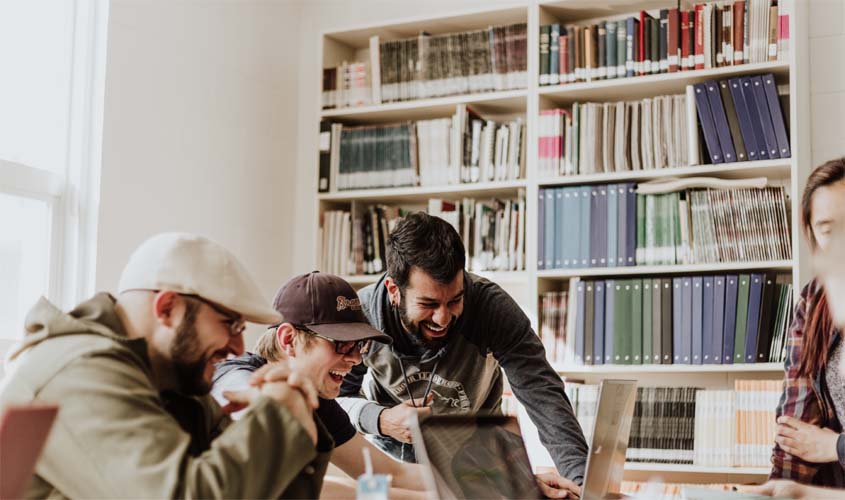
268, 348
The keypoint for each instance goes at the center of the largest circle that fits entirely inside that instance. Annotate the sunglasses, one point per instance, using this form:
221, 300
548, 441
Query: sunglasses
343, 347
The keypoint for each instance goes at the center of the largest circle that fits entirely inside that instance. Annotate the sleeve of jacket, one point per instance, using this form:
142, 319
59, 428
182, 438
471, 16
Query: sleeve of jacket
124, 444
362, 412
535, 384
798, 399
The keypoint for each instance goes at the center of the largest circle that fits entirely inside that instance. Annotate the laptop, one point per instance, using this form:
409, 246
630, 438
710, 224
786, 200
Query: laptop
477, 456
23, 432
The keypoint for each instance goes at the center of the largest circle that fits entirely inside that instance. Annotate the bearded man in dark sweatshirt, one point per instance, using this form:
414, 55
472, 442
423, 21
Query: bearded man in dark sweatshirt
452, 331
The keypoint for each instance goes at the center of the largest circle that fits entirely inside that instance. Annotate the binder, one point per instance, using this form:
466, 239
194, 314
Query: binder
677, 320
559, 229
587, 221
697, 320
777, 115
554, 55
621, 225
729, 329
646, 327
686, 321
549, 253
768, 312
666, 322
707, 320
541, 228
718, 319
745, 127
708, 127
579, 323
612, 198
742, 296
612, 324
636, 318
755, 295
759, 92
624, 329
589, 320
754, 118
598, 323
631, 225
733, 121
720, 121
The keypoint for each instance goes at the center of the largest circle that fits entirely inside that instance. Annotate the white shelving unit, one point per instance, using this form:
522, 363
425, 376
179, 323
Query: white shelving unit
351, 43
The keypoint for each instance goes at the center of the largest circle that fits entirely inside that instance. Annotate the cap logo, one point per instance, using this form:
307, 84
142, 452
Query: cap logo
344, 303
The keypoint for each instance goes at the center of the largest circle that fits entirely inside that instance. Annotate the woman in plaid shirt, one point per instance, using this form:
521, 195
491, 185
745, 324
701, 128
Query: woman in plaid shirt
810, 446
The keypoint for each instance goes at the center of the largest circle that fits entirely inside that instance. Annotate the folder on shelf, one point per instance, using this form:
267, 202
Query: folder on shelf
769, 308
686, 321
666, 320
721, 122
759, 92
754, 119
752, 329
708, 127
729, 329
598, 323
636, 308
781, 135
707, 320
588, 220
541, 228
589, 320
621, 225
579, 322
742, 296
612, 322
646, 330
559, 230
549, 218
733, 121
697, 320
677, 320
716, 332
613, 223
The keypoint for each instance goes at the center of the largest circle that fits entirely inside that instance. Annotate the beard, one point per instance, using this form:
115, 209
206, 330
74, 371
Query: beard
190, 372
415, 330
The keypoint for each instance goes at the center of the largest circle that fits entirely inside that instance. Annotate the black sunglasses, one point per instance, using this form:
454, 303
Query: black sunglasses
343, 347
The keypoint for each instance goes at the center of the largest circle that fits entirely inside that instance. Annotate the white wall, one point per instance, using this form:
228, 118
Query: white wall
200, 130
827, 79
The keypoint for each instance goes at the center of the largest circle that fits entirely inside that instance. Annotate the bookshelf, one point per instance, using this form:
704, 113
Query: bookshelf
791, 74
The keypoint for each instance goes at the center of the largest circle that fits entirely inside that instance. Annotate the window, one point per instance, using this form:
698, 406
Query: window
52, 55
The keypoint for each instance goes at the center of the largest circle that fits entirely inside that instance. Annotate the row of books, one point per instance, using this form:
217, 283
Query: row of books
614, 226
722, 319
438, 152
590, 138
688, 425
713, 34
736, 427
346, 85
493, 232
433, 65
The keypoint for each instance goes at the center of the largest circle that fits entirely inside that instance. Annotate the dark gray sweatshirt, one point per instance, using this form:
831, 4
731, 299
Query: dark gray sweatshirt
492, 332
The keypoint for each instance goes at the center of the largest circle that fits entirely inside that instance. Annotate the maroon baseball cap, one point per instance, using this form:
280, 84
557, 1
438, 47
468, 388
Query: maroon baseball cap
325, 304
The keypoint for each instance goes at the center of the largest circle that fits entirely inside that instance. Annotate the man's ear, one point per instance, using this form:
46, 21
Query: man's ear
392, 291
164, 306
285, 335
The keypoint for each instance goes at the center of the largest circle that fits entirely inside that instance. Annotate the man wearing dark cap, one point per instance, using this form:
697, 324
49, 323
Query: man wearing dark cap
323, 334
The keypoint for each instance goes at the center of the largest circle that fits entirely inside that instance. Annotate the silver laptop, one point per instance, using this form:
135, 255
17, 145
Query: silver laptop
484, 456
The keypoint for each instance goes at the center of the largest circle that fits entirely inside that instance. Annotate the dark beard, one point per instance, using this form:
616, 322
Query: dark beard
415, 330
190, 373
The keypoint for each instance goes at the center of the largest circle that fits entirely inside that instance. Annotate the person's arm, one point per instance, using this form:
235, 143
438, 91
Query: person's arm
790, 489
363, 413
798, 399
348, 457
122, 441
235, 380
533, 381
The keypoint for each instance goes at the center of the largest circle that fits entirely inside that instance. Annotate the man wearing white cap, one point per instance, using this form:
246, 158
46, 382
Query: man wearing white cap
132, 375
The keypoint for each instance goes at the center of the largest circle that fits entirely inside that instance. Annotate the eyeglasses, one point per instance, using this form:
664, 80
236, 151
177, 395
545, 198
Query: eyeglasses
343, 347
233, 320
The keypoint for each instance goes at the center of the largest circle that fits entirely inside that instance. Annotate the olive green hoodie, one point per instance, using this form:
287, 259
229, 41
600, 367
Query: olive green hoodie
117, 436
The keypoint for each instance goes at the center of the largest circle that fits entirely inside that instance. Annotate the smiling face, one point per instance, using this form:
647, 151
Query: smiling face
428, 308
317, 357
203, 338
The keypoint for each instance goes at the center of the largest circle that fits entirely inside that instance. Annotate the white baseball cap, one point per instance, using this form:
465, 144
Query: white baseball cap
193, 265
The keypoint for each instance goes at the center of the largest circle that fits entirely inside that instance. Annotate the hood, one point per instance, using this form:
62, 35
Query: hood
45, 321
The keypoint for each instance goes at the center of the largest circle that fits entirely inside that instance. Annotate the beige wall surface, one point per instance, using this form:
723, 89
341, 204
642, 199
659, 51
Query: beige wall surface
200, 130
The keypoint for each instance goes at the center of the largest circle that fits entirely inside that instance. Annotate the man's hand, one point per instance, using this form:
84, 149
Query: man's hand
283, 393
289, 372
553, 485
806, 441
393, 422
782, 488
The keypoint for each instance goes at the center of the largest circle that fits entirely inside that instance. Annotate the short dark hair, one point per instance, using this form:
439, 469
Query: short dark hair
427, 242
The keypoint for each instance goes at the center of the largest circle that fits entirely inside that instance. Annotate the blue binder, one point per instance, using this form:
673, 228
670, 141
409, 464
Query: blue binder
677, 321
612, 223
720, 120
752, 326
706, 320
754, 118
610, 354
777, 115
718, 319
745, 127
762, 103
559, 228
631, 225
541, 228
708, 127
697, 320
587, 222
621, 224
686, 325
579, 324
551, 237
598, 324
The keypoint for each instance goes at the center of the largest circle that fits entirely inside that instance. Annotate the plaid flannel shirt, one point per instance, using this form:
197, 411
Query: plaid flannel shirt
807, 400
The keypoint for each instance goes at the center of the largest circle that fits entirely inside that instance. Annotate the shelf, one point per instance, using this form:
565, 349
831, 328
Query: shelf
641, 369
775, 265
361, 279
772, 169
421, 194
639, 87
506, 102
697, 469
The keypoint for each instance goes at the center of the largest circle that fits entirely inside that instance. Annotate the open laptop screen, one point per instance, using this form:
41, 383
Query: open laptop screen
476, 457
